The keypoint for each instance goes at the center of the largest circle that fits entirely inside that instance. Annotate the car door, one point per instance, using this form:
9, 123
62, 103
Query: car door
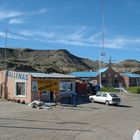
98, 97
104, 97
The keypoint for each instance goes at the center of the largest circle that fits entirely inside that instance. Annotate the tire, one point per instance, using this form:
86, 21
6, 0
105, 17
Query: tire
92, 100
107, 103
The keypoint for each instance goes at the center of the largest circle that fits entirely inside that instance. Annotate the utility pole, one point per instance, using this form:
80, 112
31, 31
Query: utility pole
110, 74
5, 48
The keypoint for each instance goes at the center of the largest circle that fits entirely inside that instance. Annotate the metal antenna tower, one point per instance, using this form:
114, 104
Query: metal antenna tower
101, 52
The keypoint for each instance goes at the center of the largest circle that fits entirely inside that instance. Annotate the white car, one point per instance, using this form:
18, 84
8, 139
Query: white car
105, 97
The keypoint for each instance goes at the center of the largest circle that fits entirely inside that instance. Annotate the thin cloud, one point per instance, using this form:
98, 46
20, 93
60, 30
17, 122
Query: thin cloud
9, 14
2, 34
83, 36
72, 7
16, 21
41, 11
4, 13
26, 33
12, 36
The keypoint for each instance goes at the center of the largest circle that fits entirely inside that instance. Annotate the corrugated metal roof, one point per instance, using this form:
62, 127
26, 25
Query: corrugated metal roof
51, 75
130, 75
103, 69
44, 75
88, 73
85, 74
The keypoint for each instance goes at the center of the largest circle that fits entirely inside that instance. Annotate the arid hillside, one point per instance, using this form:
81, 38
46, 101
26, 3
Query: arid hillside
55, 61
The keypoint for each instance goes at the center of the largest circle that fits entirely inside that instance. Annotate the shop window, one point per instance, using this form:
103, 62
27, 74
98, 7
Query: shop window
20, 89
116, 81
104, 81
63, 87
66, 86
69, 87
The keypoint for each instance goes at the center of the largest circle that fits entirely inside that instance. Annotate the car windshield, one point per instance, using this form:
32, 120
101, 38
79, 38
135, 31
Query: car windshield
113, 95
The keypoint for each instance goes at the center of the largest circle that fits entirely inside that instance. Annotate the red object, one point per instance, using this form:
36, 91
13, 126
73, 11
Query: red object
81, 88
39, 93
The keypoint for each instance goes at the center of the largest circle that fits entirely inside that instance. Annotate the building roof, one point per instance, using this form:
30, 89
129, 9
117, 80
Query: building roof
103, 69
133, 75
43, 75
51, 75
85, 74
88, 73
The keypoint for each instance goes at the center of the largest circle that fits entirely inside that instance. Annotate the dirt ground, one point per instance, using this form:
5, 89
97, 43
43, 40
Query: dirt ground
84, 122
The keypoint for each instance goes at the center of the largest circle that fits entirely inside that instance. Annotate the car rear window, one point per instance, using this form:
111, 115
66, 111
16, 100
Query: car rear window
113, 95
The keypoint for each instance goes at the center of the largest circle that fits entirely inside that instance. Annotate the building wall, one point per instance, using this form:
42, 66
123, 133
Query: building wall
45, 86
2, 85
64, 87
111, 78
10, 79
126, 80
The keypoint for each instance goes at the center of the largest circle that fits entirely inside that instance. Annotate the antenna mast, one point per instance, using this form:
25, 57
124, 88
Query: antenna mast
102, 53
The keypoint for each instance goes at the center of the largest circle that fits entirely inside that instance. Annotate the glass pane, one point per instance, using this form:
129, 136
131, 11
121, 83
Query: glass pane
20, 88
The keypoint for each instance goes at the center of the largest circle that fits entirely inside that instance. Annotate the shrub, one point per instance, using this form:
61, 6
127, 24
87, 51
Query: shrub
138, 90
134, 89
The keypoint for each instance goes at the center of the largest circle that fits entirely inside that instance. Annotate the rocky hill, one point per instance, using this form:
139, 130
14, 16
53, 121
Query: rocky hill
54, 61
43, 60
128, 65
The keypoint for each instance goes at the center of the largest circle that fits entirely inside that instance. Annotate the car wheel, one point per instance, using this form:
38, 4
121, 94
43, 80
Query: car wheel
107, 103
92, 100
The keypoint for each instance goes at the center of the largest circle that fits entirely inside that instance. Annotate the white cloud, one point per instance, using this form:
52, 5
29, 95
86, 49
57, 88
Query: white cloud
26, 33
83, 36
2, 34
9, 14
4, 13
16, 21
41, 11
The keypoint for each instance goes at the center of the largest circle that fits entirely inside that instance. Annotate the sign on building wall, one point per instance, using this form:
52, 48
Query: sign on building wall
48, 85
34, 86
17, 75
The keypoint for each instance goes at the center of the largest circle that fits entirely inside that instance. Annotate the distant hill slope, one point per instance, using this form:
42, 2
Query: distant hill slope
55, 61
128, 65
44, 60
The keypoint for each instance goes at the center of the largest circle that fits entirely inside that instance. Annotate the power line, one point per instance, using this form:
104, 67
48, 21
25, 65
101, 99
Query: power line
24, 38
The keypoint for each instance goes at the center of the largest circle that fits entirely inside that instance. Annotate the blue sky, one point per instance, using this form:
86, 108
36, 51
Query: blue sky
74, 25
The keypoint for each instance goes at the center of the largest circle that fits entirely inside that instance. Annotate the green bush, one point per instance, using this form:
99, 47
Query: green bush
134, 89
138, 90
107, 89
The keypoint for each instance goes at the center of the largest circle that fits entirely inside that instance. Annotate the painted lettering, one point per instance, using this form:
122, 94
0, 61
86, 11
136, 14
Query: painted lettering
17, 75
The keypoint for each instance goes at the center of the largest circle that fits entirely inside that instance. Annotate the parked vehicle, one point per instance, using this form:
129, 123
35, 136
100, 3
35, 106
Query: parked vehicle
105, 97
